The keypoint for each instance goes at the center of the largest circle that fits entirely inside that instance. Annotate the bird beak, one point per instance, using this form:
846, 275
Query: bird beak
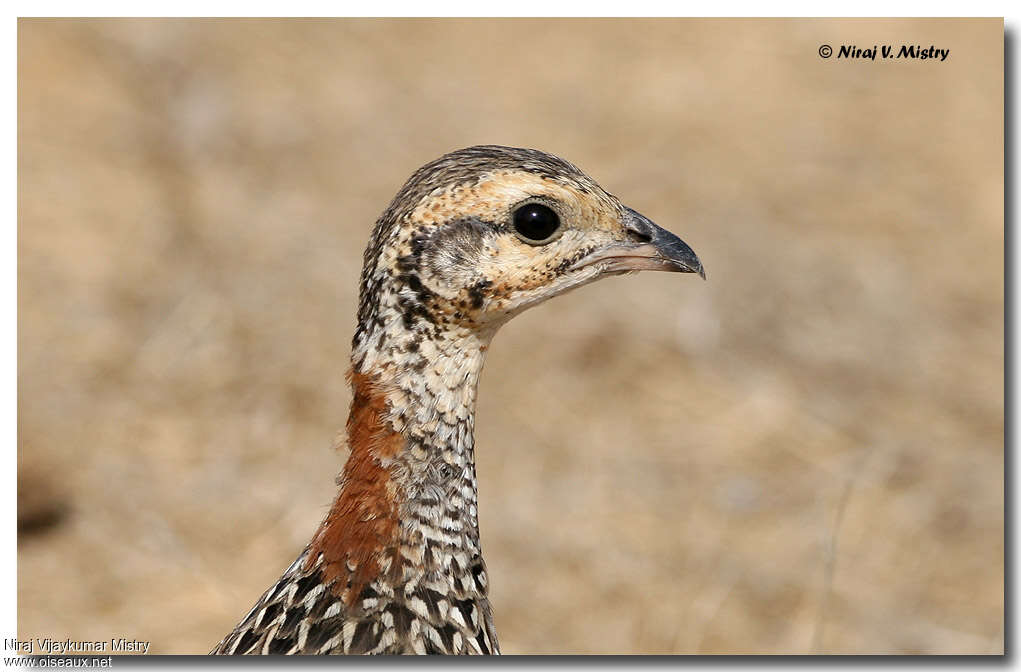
653, 249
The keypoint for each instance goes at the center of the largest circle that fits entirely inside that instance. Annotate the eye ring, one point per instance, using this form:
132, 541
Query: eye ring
536, 223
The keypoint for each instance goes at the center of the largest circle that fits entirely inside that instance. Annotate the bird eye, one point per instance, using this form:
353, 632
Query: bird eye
536, 223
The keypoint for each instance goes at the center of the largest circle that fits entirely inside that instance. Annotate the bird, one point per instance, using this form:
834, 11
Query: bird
472, 239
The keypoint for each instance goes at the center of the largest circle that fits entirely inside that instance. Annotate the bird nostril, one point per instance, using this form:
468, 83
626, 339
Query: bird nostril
638, 236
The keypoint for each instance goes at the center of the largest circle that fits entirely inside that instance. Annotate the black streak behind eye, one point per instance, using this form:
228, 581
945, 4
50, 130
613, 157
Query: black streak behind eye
535, 222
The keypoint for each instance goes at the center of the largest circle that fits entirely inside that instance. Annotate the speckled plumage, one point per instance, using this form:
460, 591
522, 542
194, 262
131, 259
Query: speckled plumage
396, 566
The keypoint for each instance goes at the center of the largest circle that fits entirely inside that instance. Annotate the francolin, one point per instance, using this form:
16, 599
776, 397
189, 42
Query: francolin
471, 240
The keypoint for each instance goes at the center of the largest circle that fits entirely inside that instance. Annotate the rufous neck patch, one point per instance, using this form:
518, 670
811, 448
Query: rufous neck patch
358, 539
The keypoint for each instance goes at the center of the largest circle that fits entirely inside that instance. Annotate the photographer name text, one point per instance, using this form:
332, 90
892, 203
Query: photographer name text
65, 647
910, 51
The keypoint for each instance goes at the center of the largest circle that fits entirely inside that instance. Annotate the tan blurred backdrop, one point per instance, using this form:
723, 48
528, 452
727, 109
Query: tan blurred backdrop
803, 454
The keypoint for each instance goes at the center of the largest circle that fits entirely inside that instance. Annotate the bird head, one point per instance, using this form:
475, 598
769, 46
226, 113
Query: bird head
482, 233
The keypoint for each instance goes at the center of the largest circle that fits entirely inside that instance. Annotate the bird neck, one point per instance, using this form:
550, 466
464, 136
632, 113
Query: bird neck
429, 377
407, 503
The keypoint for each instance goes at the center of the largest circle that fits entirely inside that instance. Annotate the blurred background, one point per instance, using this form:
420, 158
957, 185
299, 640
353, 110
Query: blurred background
803, 454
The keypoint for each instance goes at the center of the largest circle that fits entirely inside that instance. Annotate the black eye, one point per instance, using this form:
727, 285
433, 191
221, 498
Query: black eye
536, 223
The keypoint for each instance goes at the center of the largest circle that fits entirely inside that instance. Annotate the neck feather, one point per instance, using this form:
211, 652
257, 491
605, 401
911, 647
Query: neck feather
407, 502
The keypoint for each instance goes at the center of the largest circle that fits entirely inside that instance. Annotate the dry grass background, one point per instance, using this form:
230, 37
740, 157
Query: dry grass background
804, 453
